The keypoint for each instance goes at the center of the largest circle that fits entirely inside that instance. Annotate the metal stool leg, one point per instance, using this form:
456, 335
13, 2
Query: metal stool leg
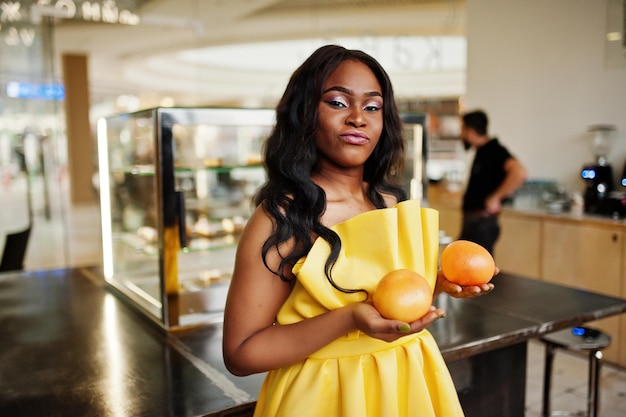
595, 363
547, 379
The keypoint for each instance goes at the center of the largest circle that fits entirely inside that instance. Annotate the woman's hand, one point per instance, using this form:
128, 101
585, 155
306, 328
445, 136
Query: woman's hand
369, 321
457, 291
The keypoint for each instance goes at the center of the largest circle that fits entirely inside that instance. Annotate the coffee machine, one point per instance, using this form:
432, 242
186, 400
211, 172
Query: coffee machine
600, 196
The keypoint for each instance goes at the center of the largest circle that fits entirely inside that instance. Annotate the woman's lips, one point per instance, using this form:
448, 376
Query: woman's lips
355, 138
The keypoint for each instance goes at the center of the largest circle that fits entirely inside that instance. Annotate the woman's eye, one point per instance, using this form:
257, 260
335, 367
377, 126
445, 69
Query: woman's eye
373, 107
337, 103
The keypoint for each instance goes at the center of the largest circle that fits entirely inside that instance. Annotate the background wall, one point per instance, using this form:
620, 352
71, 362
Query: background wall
539, 69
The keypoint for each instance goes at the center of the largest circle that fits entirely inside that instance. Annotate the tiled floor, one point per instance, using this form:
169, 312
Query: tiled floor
72, 238
569, 389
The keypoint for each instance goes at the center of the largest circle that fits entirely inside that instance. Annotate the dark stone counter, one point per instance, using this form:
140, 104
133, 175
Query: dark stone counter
69, 347
518, 309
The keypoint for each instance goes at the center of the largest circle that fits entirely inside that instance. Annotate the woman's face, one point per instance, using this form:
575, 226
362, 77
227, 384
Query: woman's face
350, 115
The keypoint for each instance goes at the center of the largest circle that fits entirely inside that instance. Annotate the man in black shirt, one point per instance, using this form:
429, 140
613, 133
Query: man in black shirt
495, 175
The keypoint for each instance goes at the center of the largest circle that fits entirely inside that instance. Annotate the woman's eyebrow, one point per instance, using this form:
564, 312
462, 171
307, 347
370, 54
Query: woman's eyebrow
350, 92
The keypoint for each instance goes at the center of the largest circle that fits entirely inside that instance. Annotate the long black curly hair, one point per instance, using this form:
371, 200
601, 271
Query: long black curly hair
290, 197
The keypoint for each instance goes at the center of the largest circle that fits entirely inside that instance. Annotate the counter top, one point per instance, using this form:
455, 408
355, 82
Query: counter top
594, 219
441, 198
518, 309
70, 347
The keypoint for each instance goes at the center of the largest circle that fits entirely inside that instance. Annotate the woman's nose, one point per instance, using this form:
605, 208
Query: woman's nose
356, 118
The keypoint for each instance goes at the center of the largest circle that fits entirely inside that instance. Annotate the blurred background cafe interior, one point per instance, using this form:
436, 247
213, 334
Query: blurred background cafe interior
550, 74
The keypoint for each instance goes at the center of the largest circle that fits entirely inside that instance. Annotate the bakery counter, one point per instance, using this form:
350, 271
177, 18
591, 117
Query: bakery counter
70, 347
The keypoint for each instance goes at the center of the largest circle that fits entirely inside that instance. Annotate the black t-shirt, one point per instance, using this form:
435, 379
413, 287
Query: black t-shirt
486, 175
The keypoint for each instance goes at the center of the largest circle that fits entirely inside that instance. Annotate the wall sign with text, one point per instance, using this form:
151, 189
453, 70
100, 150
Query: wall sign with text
14, 13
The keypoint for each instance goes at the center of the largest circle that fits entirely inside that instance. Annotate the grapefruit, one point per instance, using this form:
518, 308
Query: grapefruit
403, 295
467, 263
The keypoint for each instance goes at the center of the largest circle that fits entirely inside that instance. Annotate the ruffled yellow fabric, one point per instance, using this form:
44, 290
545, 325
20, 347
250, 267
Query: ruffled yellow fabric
356, 375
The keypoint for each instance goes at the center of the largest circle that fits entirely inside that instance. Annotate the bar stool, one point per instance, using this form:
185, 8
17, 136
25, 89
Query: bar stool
580, 339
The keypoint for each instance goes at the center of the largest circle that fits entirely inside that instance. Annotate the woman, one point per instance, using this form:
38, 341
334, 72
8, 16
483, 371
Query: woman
326, 228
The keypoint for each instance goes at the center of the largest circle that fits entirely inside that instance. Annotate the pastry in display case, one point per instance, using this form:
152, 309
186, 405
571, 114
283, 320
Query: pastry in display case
176, 190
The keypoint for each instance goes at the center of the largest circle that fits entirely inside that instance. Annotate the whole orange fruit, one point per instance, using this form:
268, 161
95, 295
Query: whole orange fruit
467, 263
403, 295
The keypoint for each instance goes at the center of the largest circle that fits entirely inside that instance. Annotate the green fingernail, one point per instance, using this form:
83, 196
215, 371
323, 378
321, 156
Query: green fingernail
405, 327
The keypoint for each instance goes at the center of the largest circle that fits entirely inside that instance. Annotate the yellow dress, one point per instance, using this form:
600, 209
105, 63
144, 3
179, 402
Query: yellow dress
356, 375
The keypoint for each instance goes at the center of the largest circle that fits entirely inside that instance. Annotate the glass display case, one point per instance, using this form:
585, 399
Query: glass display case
176, 189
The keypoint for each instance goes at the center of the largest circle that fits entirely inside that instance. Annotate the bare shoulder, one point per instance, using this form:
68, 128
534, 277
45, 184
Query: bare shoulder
259, 223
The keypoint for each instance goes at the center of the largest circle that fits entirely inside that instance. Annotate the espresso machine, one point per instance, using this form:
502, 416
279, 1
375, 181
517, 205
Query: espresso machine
600, 195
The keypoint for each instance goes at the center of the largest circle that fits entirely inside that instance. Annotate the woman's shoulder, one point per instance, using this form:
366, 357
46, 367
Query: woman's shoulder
259, 221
